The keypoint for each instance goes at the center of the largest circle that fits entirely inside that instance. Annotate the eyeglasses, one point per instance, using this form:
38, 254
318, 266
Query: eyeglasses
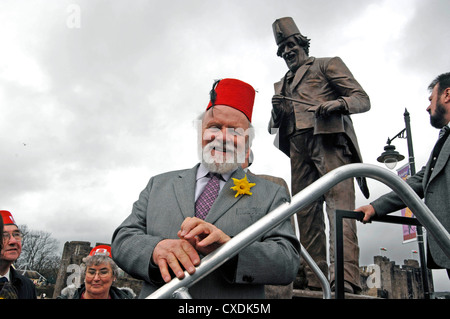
103, 273
16, 234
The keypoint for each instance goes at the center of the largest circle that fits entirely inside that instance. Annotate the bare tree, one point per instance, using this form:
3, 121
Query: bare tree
39, 253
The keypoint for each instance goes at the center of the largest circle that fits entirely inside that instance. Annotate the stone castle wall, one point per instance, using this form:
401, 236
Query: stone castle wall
385, 279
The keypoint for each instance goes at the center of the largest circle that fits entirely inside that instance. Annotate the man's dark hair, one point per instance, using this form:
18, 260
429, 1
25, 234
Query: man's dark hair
444, 82
302, 41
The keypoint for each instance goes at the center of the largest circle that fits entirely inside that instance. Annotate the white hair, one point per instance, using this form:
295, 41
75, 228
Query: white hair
236, 157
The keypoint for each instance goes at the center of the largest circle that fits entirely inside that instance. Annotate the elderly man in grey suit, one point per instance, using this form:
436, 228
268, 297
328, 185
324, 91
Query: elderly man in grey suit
167, 232
432, 182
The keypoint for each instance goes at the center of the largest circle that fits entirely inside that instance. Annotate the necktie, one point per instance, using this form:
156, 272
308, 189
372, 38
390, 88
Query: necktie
207, 197
443, 134
3, 280
444, 131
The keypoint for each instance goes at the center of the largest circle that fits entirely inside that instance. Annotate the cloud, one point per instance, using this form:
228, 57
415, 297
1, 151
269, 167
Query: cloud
422, 39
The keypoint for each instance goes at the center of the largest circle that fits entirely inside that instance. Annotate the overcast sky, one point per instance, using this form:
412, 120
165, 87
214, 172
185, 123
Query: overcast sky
98, 96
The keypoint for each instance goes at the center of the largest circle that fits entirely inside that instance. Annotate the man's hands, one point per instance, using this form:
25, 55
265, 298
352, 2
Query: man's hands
195, 235
172, 252
368, 211
325, 109
203, 236
278, 104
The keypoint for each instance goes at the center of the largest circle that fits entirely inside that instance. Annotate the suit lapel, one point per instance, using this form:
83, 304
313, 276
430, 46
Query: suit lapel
184, 189
301, 72
226, 198
441, 161
278, 86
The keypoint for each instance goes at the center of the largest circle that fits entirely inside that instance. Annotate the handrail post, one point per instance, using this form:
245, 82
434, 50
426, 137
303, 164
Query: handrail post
181, 293
326, 290
338, 257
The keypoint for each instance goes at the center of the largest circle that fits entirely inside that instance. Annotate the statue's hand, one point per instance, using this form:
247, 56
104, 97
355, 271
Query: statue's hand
278, 104
325, 109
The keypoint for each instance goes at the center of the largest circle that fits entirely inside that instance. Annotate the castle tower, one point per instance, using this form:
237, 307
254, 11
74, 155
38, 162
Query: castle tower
72, 258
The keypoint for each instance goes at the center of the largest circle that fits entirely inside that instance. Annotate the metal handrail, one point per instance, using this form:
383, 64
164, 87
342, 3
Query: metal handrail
299, 201
326, 290
182, 293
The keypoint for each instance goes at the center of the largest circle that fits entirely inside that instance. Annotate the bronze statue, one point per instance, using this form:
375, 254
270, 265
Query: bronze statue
311, 116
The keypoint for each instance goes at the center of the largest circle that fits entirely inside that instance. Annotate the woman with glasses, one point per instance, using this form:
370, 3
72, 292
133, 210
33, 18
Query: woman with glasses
100, 274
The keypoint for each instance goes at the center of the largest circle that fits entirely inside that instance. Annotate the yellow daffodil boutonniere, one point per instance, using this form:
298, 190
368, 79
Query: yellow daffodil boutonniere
242, 186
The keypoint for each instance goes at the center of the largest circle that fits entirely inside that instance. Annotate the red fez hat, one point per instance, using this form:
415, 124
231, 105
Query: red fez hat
101, 250
7, 218
233, 93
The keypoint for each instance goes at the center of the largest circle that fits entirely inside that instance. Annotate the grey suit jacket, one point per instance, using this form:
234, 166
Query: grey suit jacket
169, 198
434, 187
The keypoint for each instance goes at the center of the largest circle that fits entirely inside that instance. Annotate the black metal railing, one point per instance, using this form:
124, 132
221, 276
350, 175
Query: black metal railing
339, 245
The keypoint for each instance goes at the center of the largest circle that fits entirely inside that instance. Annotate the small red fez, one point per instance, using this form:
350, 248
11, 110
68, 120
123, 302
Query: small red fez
234, 93
7, 218
101, 250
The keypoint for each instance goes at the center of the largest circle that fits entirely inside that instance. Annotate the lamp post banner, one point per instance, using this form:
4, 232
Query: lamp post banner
409, 231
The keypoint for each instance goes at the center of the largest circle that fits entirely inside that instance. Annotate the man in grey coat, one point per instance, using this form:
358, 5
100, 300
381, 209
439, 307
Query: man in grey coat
432, 182
166, 234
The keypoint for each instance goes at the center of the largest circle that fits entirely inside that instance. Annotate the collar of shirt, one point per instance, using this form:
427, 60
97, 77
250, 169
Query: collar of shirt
7, 275
202, 179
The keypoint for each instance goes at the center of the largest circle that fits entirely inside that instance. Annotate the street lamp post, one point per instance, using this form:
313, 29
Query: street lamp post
390, 157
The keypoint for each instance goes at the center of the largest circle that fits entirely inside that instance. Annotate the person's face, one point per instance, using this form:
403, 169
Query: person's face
292, 53
12, 247
224, 135
99, 279
439, 113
